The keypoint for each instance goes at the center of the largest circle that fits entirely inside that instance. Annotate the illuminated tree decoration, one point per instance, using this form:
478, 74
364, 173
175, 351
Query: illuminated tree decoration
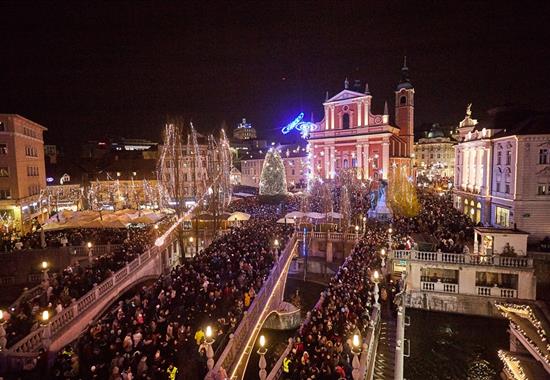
402, 196
273, 177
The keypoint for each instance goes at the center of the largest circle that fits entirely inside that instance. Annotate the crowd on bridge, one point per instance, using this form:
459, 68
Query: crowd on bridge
322, 347
158, 326
60, 289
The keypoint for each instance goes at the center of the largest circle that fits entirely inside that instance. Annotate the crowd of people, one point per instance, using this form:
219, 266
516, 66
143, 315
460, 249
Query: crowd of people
156, 327
61, 289
322, 348
450, 230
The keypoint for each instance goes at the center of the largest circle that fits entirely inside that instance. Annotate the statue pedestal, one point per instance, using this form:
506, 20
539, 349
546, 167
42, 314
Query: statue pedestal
381, 212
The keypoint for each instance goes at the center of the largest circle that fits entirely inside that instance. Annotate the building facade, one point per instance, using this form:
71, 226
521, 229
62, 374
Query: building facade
502, 170
244, 131
352, 136
434, 154
22, 173
294, 159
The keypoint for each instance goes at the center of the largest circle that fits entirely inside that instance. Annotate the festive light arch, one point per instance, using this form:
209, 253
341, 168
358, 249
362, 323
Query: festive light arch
304, 127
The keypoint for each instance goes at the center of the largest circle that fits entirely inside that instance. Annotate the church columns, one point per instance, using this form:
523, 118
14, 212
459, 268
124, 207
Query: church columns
331, 117
366, 160
327, 162
385, 159
327, 111
359, 112
359, 165
366, 113
332, 162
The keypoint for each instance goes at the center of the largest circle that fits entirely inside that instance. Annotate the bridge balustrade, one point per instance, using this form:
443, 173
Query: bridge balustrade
460, 258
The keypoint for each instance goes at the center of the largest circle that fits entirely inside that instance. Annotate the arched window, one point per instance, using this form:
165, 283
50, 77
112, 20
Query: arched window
346, 165
345, 121
403, 100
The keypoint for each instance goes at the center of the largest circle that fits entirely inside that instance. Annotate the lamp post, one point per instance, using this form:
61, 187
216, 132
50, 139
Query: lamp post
90, 257
376, 280
191, 245
3, 340
390, 230
356, 232
45, 323
383, 256
262, 364
44, 266
364, 224
209, 340
276, 243
355, 350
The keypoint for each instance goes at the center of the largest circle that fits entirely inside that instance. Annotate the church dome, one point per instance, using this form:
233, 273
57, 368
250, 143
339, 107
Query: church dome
435, 131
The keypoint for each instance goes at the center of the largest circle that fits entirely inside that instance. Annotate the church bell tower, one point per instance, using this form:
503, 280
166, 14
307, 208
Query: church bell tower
404, 108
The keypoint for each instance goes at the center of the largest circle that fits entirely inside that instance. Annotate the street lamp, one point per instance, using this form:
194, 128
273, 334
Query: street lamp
262, 351
383, 256
364, 224
44, 266
390, 230
376, 280
209, 351
276, 243
191, 245
355, 350
3, 340
90, 257
45, 317
357, 232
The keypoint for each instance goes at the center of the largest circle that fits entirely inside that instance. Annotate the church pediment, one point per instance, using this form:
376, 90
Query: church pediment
345, 95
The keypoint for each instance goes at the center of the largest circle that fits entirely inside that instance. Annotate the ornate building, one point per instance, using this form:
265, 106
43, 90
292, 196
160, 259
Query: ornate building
502, 170
351, 136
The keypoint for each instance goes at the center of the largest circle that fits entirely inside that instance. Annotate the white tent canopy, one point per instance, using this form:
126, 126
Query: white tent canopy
286, 220
334, 215
315, 215
238, 216
296, 214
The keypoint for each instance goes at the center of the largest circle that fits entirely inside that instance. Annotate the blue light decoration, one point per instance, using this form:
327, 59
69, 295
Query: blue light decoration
304, 127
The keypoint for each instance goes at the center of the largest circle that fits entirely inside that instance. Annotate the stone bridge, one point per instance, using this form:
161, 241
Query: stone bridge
269, 300
66, 326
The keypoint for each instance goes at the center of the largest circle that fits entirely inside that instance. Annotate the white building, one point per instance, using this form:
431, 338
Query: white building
434, 154
502, 173
497, 270
294, 159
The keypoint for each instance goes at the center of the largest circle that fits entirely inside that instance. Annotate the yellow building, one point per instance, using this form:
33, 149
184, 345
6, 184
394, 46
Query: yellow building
22, 172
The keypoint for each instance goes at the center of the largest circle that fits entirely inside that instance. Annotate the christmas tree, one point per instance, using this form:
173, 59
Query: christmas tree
273, 177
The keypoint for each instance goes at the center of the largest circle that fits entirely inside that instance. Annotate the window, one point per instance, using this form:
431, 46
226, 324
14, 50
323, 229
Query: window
5, 194
498, 187
431, 155
345, 121
543, 156
541, 189
32, 171
499, 157
502, 216
423, 156
403, 100
2, 126
508, 157
3, 149
4, 171
346, 164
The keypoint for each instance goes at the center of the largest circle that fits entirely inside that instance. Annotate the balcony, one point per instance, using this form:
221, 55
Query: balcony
495, 291
462, 259
439, 287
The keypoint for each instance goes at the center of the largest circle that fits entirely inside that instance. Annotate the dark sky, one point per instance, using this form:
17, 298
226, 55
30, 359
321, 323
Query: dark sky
85, 70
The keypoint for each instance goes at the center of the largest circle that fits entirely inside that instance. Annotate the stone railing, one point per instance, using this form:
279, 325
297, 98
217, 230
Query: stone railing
495, 291
332, 236
458, 258
39, 337
438, 287
229, 358
277, 369
370, 346
27, 294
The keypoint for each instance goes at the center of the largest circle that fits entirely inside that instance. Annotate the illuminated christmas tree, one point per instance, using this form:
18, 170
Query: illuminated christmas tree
402, 193
273, 177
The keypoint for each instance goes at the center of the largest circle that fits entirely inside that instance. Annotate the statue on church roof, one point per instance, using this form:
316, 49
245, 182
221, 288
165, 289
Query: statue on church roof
469, 110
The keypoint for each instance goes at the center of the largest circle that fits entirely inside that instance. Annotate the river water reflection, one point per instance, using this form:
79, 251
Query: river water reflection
448, 346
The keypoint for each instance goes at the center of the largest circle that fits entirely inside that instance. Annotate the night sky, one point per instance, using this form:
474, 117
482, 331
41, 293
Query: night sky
87, 70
